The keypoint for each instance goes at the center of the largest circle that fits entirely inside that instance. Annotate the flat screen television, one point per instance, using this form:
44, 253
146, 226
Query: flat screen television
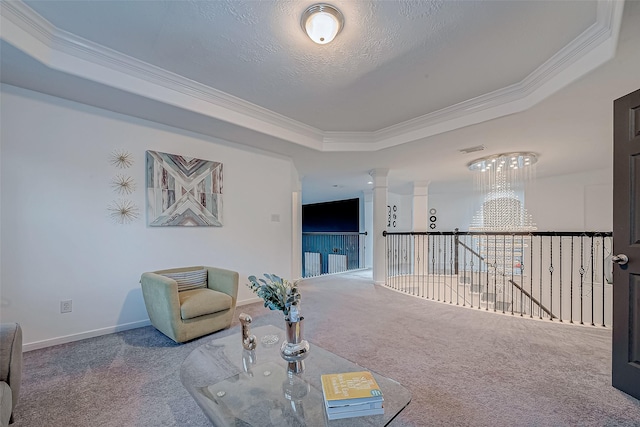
341, 215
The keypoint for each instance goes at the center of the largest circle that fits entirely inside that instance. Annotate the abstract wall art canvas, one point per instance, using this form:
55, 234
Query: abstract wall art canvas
183, 191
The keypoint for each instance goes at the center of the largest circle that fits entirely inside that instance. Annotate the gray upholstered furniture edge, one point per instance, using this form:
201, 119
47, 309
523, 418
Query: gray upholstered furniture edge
10, 369
162, 301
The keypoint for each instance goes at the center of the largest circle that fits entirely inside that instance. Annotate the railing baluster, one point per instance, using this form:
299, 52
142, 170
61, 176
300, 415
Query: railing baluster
593, 314
472, 264
412, 264
453, 264
392, 260
487, 267
603, 281
411, 267
390, 273
464, 281
504, 272
425, 272
387, 270
521, 276
511, 267
420, 269
582, 271
550, 278
403, 262
405, 266
560, 274
437, 272
433, 258
483, 271
399, 244
458, 276
495, 272
531, 279
390, 240
423, 269
397, 259
540, 294
571, 315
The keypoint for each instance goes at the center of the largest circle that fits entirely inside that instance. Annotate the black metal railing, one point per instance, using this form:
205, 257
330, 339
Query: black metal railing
560, 276
326, 253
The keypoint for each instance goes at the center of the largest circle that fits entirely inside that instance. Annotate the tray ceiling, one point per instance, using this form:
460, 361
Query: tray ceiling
399, 73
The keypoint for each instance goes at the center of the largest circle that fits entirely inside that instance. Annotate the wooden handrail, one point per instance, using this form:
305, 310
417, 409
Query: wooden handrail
470, 250
542, 307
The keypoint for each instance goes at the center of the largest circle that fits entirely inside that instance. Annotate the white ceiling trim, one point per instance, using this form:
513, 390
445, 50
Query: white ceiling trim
22, 27
28, 31
595, 46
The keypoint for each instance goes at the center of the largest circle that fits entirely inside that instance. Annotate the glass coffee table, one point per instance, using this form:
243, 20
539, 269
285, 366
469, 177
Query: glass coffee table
238, 387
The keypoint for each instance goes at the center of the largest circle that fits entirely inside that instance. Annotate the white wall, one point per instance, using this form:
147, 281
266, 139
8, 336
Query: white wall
403, 213
577, 202
455, 205
58, 242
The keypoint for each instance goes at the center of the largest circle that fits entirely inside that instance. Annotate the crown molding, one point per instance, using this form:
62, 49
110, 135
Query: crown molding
596, 45
22, 27
63, 51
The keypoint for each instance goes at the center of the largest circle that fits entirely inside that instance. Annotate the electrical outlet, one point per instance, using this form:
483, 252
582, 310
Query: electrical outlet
65, 306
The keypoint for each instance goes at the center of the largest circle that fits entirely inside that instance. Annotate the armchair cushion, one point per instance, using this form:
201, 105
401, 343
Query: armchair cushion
199, 302
188, 280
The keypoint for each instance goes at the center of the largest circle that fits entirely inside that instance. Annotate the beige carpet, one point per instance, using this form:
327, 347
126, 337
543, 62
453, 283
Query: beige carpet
464, 367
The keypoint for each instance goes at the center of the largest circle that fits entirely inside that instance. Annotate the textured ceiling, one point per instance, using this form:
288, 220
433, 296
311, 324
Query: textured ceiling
394, 60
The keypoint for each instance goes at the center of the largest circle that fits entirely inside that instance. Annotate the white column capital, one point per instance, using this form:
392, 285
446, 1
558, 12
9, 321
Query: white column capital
421, 188
296, 179
379, 176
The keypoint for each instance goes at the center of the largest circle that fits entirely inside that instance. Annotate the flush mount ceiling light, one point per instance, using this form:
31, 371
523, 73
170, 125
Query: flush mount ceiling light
322, 22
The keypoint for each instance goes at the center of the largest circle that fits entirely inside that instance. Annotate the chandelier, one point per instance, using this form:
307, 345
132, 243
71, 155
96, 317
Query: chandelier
501, 179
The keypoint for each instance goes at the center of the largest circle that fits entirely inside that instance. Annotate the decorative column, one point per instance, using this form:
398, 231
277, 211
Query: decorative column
296, 231
379, 224
368, 225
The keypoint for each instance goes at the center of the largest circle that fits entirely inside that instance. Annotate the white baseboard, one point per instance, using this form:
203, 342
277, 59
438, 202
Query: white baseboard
248, 301
104, 331
83, 335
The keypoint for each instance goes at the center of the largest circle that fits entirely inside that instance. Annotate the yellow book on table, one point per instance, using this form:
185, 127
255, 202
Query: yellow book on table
350, 388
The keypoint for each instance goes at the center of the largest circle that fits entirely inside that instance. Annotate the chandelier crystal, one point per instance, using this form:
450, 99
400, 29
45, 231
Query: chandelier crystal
501, 179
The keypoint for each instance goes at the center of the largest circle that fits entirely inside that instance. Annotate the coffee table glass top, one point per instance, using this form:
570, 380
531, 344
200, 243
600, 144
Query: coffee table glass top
237, 387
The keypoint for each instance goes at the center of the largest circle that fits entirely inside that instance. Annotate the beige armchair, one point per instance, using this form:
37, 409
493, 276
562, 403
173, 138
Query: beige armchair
187, 303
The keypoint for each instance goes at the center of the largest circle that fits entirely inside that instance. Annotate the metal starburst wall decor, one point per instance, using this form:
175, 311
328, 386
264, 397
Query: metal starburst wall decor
121, 159
123, 211
123, 184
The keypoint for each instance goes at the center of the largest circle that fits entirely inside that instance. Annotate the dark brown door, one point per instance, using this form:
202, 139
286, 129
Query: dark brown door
626, 244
